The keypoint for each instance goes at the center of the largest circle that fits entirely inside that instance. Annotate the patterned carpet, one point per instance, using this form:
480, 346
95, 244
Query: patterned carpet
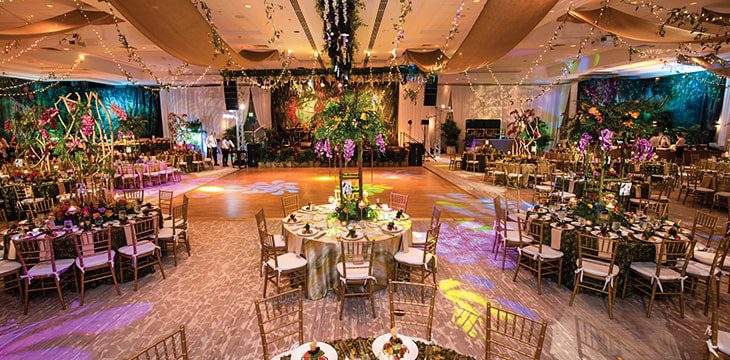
213, 294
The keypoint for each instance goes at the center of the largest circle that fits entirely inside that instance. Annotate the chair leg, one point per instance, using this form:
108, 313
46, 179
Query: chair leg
174, 253
372, 303
576, 285
504, 255
560, 273
20, 286
342, 298
539, 277
517, 270
26, 297
114, 278
60, 294
266, 280
651, 300
159, 262
626, 285
681, 303
611, 294
83, 287
136, 283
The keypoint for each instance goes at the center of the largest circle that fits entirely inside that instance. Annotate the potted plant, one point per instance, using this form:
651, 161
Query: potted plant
451, 132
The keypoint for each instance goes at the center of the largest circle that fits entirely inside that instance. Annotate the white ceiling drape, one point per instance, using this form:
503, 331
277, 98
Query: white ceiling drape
722, 132
205, 103
262, 105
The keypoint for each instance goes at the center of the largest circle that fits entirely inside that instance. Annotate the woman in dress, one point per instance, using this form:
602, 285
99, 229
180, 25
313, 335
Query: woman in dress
679, 148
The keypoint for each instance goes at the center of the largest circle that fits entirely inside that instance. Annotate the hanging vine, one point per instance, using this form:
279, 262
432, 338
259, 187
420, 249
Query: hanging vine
341, 21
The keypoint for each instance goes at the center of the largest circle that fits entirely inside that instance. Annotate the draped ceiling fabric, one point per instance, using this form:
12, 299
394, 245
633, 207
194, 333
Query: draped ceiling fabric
178, 28
711, 63
259, 55
636, 28
501, 25
425, 59
718, 18
60, 24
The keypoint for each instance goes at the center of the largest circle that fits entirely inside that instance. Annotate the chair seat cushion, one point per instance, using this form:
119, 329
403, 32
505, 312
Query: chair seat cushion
564, 194
543, 188
166, 233
547, 252
708, 256
358, 271
514, 175
94, 260
418, 237
8, 266
45, 269
648, 269
703, 190
514, 237
412, 257
722, 194
699, 269
279, 241
288, 261
723, 342
143, 248
597, 268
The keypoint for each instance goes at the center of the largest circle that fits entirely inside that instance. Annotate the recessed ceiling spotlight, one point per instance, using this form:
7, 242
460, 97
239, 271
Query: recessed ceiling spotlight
49, 5
693, 3
247, 6
476, 1
573, 45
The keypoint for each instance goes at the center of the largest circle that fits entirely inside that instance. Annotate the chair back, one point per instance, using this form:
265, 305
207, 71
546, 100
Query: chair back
90, 243
398, 201
22, 192
435, 215
145, 229
535, 230
34, 250
178, 219
42, 207
673, 254
657, 208
261, 221
356, 256
170, 347
290, 204
280, 321
723, 183
165, 201
704, 227
268, 248
411, 307
432, 239
509, 334
597, 248
137, 195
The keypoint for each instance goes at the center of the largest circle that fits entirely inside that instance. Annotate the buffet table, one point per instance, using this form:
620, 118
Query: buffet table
322, 250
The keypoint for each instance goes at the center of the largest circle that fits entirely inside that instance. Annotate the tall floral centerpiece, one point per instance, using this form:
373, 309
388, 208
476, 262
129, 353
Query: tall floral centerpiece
347, 126
528, 131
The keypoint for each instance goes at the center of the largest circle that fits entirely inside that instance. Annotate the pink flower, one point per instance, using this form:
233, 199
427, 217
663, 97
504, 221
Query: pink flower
72, 107
8, 125
44, 133
87, 124
47, 116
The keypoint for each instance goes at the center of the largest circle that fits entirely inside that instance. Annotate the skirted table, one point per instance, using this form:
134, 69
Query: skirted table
46, 189
323, 250
362, 348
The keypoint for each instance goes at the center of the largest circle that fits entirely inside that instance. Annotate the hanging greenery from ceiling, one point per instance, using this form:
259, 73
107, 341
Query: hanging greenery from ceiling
341, 21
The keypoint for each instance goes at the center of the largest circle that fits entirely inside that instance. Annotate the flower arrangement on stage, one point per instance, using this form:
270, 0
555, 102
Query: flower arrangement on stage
528, 131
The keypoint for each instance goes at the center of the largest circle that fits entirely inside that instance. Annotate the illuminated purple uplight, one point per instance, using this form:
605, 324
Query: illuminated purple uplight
454, 238
17, 343
517, 307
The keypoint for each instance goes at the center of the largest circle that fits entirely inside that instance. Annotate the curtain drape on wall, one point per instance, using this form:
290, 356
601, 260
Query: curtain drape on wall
262, 105
205, 103
549, 106
408, 110
722, 132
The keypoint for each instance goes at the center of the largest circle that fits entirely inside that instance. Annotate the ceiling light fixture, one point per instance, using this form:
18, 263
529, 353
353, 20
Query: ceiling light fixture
247, 6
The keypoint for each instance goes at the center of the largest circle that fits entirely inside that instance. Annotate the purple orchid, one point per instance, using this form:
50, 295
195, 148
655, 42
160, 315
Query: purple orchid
319, 149
348, 149
644, 150
606, 139
585, 140
380, 143
327, 148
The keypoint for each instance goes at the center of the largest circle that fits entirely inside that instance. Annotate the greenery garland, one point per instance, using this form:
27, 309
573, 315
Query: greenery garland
341, 20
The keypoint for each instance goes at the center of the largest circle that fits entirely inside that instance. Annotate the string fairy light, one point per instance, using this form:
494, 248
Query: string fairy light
73, 67
23, 51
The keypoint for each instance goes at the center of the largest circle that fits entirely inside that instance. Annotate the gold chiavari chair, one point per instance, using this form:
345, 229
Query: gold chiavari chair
175, 235
281, 322
700, 273
543, 172
418, 238
471, 161
511, 240
454, 162
39, 264
509, 334
722, 190
718, 344
136, 195
700, 187
687, 177
197, 162
513, 174
24, 199
597, 269
290, 204
654, 207
398, 201
279, 267
411, 308
492, 170
95, 254
165, 202
703, 232
538, 258
502, 224
279, 241
417, 265
668, 270
143, 252
355, 271
170, 347
41, 208
131, 176
9, 270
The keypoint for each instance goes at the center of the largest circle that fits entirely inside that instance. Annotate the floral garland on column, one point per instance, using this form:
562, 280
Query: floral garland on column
341, 21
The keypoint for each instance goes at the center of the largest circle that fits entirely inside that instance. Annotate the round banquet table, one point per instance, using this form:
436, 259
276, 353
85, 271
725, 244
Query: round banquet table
322, 251
363, 349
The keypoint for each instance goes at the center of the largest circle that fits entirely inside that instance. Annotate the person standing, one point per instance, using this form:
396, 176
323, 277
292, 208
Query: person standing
226, 147
212, 145
679, 148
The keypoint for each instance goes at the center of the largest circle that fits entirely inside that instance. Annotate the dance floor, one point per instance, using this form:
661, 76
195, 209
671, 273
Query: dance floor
213, 291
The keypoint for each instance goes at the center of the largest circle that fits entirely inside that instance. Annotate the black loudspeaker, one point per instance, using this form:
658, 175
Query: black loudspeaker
415, 156
424, 122
430, 89
252, 151
230, 93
